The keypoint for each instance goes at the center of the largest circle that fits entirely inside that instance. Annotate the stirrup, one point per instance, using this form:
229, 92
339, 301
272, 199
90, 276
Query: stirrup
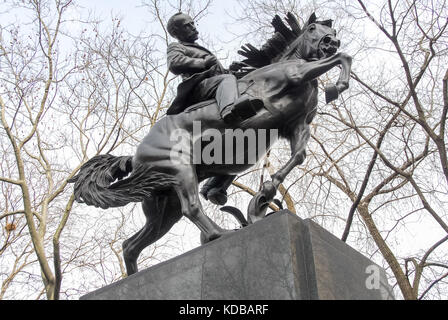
228, 116
245, 107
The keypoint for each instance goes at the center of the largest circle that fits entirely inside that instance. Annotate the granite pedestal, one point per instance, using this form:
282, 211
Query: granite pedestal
281, 257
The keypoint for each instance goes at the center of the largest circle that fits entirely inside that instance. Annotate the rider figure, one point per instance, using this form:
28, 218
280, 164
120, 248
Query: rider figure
203, 76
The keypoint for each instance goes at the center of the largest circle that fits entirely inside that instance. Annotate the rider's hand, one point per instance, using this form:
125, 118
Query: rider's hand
236, 65
210, 61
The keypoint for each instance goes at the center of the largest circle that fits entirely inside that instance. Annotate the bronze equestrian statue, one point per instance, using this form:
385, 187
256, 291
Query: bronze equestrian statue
284, 77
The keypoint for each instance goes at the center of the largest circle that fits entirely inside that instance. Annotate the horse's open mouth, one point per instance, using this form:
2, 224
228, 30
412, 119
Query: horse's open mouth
328, 46
327, 52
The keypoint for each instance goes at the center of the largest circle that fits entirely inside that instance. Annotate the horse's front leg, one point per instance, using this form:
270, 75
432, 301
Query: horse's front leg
298, 141
332, 91
312, 70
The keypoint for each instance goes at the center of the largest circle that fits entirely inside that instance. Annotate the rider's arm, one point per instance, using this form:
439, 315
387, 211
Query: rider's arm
180, 63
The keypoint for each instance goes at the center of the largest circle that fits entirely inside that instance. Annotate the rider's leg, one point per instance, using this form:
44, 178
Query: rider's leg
220, 87
224, 88
226, 95
231, 106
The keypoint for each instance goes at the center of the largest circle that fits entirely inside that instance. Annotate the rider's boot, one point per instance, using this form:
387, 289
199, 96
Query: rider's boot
228, 116
243, 108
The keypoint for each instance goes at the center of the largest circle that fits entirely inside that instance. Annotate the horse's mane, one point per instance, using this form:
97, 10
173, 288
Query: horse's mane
279, 43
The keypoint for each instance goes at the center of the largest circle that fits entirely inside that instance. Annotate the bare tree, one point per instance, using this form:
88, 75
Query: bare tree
377, 160
71, 89
376, 171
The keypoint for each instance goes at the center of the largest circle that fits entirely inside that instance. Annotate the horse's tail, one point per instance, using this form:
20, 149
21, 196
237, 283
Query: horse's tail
94, 184
237, 214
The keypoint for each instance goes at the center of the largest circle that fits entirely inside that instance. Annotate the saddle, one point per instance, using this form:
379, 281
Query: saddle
244, 112
199, 105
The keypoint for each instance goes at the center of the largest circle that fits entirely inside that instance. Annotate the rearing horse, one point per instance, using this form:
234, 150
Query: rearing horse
285, 79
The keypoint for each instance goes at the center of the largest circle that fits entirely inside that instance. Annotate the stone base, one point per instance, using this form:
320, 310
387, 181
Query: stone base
281, 257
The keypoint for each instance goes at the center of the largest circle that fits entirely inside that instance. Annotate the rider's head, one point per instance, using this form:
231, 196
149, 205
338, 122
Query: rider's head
181, 26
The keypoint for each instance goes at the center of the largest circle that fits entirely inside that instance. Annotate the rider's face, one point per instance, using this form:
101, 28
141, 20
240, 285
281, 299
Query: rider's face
186, 29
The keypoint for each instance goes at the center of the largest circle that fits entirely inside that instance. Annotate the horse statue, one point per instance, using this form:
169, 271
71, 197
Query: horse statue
283, 73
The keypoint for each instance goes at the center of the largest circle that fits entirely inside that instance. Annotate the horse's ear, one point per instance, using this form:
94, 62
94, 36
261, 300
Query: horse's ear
328, 23
312, 19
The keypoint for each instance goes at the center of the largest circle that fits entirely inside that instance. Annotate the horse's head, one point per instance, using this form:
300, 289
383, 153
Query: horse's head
315, 40
318, 40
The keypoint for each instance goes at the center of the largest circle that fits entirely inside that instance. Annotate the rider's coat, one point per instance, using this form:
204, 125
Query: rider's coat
188, 60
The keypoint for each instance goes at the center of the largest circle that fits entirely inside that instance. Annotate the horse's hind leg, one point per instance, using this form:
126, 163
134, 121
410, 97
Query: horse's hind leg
161, 214
188, 194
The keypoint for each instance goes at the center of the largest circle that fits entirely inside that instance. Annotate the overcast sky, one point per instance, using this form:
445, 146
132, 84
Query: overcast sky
215, 26
136, 17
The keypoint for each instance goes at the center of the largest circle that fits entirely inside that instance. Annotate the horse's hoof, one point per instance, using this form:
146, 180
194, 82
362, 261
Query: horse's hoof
217, 196
269, 190
342, 86
130, 260
131, 266
214, 236
260, 202
331, 93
